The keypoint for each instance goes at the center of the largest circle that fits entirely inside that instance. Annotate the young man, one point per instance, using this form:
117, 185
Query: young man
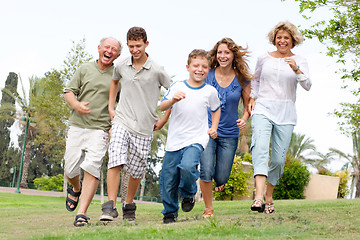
188, 134
87, 94
133, 121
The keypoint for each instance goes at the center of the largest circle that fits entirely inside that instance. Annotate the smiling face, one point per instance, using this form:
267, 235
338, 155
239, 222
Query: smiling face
283, 42
198, 70
137, 49
224, 55
109, 50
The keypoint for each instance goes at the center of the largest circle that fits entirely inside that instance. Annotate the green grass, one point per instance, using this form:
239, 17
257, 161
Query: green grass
37, 217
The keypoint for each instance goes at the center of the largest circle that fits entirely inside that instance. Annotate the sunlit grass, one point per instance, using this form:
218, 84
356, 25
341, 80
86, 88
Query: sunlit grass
36, 217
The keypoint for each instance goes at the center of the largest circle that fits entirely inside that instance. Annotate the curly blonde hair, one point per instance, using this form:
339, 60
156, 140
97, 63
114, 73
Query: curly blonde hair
240, 64
297, 37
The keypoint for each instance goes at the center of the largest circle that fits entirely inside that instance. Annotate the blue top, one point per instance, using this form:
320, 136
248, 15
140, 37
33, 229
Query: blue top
229, 98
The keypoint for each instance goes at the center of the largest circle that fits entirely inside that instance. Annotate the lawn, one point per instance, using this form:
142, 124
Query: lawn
37, 217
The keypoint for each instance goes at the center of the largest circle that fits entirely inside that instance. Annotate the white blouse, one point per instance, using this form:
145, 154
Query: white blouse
274, 88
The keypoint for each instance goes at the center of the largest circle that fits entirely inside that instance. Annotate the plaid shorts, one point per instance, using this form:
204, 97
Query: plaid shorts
129, 150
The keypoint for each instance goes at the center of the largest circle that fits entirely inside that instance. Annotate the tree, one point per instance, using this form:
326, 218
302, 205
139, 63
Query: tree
299, 146
75, 57
8, 154
7, 111
341, 35
321, 161
353, 161
27, 109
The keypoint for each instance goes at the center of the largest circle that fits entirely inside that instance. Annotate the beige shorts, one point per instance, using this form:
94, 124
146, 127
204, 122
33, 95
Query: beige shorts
85, 149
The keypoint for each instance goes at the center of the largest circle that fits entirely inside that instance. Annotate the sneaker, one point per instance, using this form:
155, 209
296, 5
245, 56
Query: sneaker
109, 212
129, 212
169, 218
187, 204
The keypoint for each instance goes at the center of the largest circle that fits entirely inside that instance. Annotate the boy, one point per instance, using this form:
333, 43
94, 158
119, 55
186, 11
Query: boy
187, 134
87, 94
133, 121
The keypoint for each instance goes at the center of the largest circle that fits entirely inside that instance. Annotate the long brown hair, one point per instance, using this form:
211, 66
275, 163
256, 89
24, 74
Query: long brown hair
240, 64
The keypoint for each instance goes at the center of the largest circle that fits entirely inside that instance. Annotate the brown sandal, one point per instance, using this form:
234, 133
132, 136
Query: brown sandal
258, 205
269, 208
220, 188
208, 213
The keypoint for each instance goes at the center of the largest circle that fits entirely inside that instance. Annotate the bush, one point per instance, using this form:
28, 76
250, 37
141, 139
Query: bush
344, 178
294, 180
46, 183
238, 182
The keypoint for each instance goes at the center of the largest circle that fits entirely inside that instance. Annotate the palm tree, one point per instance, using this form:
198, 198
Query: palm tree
354, 162
321, 161
25, 103
299, 146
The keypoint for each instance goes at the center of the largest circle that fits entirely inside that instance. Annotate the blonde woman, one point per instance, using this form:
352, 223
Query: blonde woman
272, 106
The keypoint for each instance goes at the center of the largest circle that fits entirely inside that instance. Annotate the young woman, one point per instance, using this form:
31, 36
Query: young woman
272, 106
230, 75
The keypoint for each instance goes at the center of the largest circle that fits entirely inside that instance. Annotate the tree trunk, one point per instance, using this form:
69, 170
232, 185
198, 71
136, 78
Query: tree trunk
357, 193
26, 164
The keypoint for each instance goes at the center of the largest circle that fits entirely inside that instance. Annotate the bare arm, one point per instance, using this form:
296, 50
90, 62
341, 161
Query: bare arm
160, 123
215, 118
80, 107
166, 104
114, 88
241, 123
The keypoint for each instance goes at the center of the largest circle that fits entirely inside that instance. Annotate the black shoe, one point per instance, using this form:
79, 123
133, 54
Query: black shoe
188, 204
129, 212
109, 213
169, 218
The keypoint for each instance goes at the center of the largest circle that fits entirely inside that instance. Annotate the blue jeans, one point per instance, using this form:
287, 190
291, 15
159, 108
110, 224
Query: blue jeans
263, 130
217, 160
179, 174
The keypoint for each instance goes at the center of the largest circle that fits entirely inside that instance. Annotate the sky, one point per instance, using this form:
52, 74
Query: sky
37, 35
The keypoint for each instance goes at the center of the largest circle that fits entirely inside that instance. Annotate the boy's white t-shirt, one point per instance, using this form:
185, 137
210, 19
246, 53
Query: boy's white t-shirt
188, 122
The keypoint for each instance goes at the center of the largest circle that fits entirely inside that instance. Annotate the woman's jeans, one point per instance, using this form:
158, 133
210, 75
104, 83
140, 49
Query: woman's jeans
179, 174
217, 160
263, 130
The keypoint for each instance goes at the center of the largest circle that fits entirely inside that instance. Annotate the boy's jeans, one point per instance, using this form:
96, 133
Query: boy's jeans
179, 174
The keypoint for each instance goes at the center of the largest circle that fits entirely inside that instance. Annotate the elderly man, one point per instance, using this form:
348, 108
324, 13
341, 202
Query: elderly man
88, 95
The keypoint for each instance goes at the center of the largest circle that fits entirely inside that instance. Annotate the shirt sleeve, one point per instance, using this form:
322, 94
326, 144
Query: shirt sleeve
304, 79
170, 92
255, 83
214, 100
164, 78
116, 74
74, 85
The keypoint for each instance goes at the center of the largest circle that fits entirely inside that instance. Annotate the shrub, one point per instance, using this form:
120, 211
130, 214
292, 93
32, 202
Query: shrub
46, 183
238, 182
293, 181
344, 178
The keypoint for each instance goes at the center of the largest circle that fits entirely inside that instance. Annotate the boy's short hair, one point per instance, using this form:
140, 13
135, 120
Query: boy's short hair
198, 53
136, 33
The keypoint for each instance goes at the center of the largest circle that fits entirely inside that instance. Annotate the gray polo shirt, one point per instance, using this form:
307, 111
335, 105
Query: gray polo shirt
140, 91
